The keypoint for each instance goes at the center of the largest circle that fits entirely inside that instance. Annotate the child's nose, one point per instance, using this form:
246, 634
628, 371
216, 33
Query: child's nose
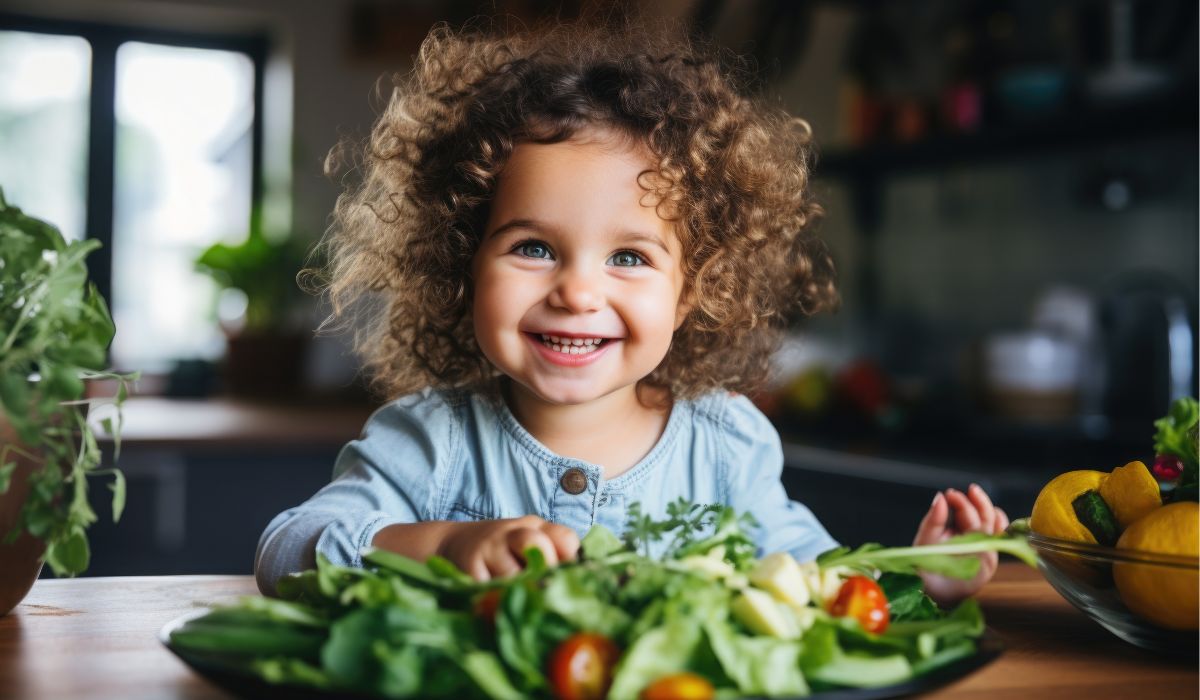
578, 291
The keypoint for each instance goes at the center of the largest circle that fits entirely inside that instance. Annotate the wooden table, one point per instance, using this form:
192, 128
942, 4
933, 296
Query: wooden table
97, 638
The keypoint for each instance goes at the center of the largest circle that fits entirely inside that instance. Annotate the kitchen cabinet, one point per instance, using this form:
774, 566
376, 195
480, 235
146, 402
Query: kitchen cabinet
205, 477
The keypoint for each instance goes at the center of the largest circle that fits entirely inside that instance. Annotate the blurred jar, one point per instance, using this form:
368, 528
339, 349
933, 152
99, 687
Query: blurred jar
1033, 376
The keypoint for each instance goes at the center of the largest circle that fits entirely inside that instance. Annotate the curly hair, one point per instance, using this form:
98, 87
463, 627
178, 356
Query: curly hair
730, 171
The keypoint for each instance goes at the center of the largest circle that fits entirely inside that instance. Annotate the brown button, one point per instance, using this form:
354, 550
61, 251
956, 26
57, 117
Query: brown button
574, 481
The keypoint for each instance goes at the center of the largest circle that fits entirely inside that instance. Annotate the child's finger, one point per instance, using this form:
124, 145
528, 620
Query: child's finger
522, 538
500, 561
983, 504
934, 522
566, 542
1001, 521
966, 518
477, 569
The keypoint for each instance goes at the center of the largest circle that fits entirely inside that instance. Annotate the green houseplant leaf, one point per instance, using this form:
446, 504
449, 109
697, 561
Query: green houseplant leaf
264, 268
54, 334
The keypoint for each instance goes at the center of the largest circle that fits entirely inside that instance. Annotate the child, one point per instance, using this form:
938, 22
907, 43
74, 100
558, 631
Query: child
568, 249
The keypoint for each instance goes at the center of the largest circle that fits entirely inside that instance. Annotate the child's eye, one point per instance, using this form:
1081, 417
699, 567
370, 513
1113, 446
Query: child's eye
627, 258
533, 249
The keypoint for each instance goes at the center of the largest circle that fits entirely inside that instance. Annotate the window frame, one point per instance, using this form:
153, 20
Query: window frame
105, 39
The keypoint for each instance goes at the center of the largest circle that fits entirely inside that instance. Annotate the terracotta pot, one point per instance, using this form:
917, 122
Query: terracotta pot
21, 561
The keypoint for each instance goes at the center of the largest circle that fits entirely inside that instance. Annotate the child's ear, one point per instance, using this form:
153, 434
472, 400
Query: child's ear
685, 306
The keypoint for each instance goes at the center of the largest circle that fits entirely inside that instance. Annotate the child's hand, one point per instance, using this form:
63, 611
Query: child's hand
496, 548
973, 512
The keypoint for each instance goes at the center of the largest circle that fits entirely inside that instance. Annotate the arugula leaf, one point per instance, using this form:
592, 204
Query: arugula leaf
488, 673
906, 598
281, 669
347, 657
438, 572
240, 631
526, 631
943, 558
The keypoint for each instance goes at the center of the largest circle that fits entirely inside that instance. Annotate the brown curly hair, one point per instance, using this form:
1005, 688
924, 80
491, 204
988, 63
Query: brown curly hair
732, 173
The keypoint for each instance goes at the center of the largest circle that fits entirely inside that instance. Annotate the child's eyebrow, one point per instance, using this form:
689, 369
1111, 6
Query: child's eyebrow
541, 227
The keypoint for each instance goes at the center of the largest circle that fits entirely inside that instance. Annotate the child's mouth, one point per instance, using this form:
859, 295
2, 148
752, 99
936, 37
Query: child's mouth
570, 346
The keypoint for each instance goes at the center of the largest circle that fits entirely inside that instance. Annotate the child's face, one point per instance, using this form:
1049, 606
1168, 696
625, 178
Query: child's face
573, 247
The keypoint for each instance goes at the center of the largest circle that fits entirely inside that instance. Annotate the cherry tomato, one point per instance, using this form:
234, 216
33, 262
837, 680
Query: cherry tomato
861, 598
486, 604
679, 686
581, 667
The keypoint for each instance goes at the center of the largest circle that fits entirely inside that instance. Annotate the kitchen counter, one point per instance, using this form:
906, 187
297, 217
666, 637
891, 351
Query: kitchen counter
97, 638
225, 423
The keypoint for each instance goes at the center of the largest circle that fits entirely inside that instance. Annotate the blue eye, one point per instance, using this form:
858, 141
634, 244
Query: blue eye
533, 249
627, 258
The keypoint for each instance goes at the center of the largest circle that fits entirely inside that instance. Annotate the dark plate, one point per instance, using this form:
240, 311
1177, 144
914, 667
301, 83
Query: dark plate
228, 673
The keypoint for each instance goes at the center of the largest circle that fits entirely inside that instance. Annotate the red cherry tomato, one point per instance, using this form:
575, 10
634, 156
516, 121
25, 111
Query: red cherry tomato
486, 604
861, 598
581, 667
679, 686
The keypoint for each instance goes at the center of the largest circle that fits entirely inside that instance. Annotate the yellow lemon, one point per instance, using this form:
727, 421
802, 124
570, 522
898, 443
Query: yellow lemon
1163, 595
1130, 492
1053, 513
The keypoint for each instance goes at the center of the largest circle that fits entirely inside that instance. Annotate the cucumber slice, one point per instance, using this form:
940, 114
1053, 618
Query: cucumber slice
864, 671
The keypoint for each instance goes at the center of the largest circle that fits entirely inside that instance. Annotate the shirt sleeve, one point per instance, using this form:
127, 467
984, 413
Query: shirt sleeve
754, 467
387, 476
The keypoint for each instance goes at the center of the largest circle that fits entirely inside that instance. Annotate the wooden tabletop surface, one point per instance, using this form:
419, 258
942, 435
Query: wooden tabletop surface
97, 638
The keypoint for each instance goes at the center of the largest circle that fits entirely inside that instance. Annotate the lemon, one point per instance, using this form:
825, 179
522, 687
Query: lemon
1131, 492
1163, 595
1053, 514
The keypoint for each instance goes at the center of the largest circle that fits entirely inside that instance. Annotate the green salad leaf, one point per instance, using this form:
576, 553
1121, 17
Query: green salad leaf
400, 628
1176, 434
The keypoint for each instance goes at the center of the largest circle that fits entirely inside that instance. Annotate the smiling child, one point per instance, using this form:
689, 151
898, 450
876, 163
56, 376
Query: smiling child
570, 257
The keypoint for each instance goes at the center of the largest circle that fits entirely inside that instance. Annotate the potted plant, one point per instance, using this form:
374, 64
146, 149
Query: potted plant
265, 345
54, 333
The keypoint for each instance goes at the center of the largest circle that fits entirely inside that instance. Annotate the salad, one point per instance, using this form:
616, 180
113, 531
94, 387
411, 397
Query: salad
706, 619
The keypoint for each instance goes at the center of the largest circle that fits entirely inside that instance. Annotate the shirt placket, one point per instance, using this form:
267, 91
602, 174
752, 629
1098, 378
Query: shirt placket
574, 501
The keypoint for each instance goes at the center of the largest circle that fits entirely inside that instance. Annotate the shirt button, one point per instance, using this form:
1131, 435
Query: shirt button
574, 481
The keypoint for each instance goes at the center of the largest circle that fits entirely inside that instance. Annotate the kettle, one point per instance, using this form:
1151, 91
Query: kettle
1148, 340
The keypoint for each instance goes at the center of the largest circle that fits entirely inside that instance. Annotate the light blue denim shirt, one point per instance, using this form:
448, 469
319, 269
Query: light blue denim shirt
453, 455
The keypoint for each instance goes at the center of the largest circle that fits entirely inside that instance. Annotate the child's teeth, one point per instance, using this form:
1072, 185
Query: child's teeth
571, 346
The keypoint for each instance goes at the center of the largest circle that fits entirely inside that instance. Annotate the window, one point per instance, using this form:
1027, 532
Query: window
44, 91
183, 169
148, 141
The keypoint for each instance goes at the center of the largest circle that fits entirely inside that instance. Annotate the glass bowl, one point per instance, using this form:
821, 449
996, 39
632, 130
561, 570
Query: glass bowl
1082, 573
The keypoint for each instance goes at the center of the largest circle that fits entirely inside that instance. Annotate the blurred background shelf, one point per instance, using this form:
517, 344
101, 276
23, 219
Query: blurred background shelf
1083, 129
